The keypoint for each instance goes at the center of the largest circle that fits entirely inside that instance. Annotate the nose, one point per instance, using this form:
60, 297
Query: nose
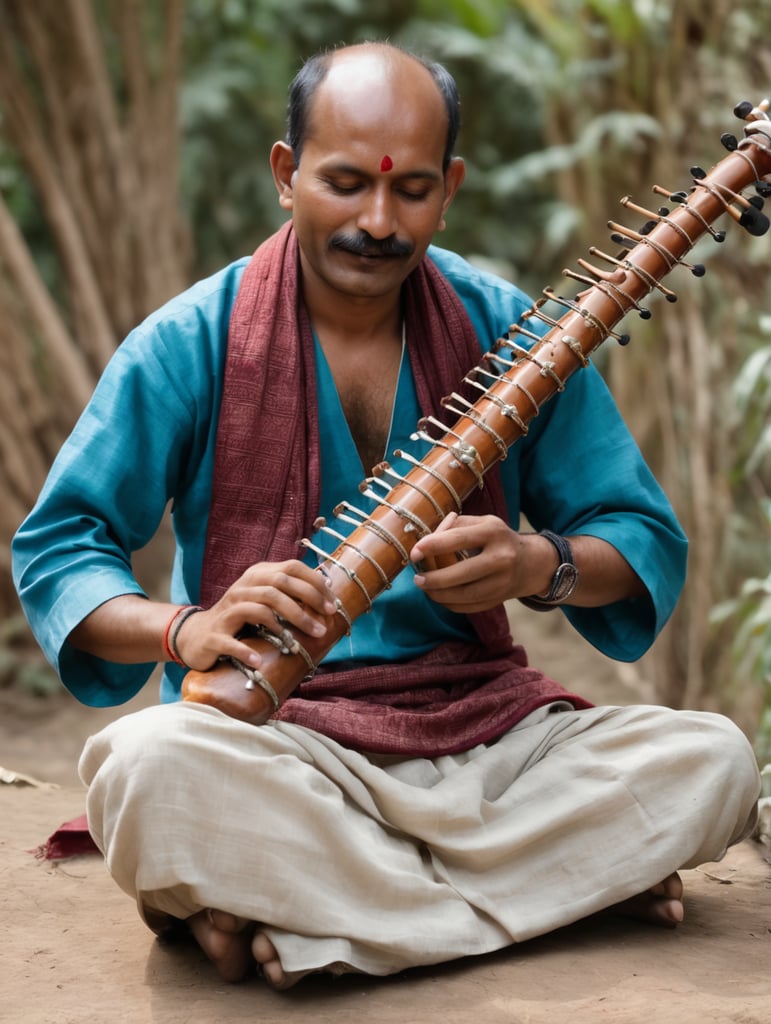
377, 216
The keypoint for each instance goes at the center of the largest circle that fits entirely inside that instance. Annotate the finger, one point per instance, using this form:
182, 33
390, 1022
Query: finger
309, 588
312, 593
201, 649
449, 520
467, 568
459, 590
272, 609
229, 647
420, 548
291, 577
440, 580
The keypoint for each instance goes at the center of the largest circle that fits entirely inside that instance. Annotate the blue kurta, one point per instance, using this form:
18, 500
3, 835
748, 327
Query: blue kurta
147, 438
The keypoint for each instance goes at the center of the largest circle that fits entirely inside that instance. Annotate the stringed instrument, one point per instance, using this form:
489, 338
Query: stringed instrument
513, 381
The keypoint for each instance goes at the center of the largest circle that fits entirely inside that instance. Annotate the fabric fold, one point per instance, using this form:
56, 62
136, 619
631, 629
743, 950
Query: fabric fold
266, 493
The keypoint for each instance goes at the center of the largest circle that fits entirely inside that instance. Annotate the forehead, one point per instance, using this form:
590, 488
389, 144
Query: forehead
370, 106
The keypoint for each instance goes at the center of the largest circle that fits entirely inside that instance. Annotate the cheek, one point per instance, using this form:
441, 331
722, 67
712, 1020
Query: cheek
428, 221
321, 215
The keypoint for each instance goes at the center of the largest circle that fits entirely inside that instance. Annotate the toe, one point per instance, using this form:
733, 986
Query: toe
225, 922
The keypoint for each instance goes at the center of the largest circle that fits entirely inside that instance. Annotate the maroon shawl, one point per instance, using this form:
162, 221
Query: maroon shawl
265, 496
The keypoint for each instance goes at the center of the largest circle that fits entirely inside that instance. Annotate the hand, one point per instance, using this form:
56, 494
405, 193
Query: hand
496, 563
290, 591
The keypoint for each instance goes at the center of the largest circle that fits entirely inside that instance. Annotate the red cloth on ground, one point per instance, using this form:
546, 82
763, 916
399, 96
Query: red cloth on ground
72, 839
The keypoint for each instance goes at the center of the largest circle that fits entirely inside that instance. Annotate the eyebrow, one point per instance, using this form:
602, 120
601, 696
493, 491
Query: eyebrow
419, 174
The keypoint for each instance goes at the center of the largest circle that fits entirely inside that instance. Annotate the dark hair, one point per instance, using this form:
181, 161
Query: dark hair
314, 71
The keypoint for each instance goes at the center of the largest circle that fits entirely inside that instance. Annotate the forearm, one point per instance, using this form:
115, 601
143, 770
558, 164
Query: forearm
604, 575
127, 630
498, 564
132, 630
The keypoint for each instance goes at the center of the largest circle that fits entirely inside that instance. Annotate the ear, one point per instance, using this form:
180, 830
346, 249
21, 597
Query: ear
453, 179
283, 167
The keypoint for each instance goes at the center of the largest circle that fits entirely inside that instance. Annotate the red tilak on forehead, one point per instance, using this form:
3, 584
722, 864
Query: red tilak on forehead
386, 164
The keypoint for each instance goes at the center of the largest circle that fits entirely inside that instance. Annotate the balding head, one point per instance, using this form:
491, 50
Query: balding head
367, 63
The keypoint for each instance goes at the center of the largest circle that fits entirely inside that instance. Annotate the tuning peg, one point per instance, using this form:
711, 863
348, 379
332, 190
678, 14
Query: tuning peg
698, 172
755, 222
729, 141
681, 197
763, 188
747, 112
743, 109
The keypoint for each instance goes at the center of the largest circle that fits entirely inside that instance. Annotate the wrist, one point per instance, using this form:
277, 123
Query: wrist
172, 630
564, 578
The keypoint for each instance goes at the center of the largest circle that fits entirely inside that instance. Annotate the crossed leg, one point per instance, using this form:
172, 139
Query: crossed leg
236, 947
622, 791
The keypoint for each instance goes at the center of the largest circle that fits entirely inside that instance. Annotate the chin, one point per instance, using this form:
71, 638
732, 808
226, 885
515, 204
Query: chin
368, 283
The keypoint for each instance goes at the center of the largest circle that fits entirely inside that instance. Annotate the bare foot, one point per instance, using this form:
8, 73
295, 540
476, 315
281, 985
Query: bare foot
662, 904
226, 940
264, 952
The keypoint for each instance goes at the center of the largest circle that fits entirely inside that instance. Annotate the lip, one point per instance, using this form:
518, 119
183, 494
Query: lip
370, 257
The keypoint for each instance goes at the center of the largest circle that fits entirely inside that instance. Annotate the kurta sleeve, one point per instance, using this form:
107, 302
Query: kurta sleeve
144, 439
582, 473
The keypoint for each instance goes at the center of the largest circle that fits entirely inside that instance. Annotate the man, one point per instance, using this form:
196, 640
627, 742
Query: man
428, 795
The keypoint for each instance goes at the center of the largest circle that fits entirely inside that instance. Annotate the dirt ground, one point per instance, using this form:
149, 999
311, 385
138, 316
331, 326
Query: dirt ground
74, 949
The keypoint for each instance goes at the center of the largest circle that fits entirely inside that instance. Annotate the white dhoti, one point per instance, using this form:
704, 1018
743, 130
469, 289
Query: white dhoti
383, 863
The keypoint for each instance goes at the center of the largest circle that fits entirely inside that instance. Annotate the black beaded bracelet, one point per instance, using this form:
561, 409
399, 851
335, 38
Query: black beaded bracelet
564, 581
177, 623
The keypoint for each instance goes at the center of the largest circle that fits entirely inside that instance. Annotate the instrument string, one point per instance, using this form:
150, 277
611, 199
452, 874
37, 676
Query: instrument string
504, 372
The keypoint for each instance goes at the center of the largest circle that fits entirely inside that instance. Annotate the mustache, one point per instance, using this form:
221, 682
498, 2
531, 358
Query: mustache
363, 244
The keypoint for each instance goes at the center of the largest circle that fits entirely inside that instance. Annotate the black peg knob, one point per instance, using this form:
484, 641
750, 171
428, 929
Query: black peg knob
756, 201
729, 141
763, 188
755, 222
743, 109
623, 339
698, 270
698, 172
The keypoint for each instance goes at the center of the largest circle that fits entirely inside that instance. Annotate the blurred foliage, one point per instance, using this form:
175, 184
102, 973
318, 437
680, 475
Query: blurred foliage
749, 612
567, 104
19, 665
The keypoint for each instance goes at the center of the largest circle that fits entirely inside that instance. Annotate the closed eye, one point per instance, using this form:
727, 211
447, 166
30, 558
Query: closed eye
343, 188
414, 197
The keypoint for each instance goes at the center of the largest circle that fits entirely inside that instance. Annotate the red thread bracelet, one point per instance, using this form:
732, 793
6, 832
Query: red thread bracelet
170, 638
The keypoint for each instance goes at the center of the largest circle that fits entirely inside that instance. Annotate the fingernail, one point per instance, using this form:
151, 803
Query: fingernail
318, 630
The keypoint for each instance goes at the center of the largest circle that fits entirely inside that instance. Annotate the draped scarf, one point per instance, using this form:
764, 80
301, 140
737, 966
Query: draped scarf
266, 492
